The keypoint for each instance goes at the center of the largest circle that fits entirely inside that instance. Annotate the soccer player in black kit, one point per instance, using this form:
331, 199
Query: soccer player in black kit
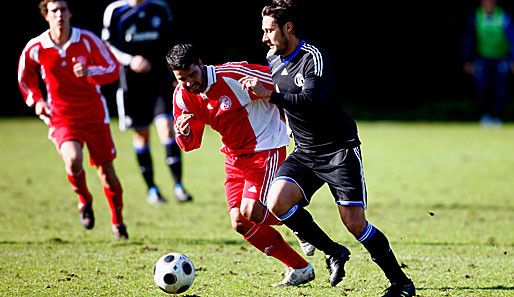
139, 34
327, 148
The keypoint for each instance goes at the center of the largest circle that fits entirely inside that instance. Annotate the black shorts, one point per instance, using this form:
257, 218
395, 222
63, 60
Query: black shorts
143, 101
341, 170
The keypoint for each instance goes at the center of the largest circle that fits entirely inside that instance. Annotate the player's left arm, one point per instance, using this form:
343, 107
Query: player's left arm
317, 79
104, 67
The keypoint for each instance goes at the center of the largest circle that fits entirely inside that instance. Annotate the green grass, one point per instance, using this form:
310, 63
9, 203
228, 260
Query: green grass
442, 193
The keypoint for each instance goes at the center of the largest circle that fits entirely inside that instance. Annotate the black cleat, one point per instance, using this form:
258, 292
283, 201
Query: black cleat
401, 290
87, 217
120, 231
335, 265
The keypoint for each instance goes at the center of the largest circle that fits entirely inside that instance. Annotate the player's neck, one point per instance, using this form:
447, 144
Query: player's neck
60, 35
292, 45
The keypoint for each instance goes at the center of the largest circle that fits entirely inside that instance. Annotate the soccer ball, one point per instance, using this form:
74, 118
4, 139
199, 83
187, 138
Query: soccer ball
174, 273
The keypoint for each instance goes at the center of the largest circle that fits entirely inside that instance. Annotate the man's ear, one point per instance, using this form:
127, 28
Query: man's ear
288, 27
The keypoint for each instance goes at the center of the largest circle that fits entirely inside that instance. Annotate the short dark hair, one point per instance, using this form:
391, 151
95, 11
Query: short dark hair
284, 11
43, 6
181, 56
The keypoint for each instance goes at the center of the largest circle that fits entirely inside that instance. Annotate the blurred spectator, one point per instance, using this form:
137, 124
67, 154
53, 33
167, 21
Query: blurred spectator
488, 52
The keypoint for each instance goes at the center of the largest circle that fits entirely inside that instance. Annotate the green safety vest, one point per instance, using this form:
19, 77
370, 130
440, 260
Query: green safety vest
491, 40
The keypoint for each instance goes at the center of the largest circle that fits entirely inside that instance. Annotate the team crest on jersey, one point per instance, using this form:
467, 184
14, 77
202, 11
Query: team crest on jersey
225, 103
298, 80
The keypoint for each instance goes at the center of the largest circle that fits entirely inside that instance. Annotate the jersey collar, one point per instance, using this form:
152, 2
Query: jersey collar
286, 59
210, 72
47, 42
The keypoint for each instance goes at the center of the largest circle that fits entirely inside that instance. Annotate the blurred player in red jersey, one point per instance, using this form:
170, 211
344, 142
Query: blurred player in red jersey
254, 139
73, 63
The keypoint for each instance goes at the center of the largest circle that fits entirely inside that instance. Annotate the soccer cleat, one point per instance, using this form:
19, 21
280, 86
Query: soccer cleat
307, 248
154, 197
401, 290
87, 217
120, 231
335, 264
181, 195
296, 277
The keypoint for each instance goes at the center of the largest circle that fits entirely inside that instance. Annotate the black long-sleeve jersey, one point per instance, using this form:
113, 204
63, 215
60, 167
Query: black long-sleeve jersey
140, 30
305, 88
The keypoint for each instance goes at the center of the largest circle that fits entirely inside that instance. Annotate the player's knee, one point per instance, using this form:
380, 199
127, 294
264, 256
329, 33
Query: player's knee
252, 210
239, 226
355, 225
73, 165
280, 204
282, 196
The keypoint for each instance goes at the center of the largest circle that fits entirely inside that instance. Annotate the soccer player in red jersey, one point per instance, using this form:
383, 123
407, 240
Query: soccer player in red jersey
254, 139
73, 63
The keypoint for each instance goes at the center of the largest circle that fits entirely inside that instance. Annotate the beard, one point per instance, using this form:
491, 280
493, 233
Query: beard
280, 47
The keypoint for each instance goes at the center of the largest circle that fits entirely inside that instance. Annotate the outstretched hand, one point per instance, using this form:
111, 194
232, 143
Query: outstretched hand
253, 84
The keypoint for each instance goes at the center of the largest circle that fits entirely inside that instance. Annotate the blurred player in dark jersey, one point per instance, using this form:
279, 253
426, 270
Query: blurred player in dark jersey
327, 148
139, 34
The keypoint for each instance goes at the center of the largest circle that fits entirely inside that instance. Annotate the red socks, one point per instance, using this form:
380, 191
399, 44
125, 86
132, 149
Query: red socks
79, 186
115, 198
270, 242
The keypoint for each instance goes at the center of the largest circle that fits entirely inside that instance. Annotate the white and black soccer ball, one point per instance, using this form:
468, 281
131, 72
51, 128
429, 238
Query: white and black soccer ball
174, 273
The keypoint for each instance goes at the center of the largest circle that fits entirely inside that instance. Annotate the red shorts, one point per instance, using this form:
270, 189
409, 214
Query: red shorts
97, 137
250, 175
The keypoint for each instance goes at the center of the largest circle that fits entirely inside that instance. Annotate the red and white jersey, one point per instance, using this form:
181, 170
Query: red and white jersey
247, 123
74, 101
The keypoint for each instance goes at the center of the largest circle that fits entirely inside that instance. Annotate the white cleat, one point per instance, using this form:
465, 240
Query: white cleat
296, 277
307, 248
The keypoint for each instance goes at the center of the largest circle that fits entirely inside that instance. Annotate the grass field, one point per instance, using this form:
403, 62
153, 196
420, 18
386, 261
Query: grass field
442, 193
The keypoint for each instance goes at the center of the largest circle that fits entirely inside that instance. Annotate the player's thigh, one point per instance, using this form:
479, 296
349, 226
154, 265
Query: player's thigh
69, 142
138, 102
234, 183
294, 184
346, 180
100, 144
259, 172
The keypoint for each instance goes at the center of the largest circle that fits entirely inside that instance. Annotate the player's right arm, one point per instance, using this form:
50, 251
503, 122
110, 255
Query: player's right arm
188, 129
28, 75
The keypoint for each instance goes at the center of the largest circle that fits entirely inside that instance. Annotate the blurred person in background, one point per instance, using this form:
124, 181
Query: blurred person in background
488, 53
73, 63
138, 32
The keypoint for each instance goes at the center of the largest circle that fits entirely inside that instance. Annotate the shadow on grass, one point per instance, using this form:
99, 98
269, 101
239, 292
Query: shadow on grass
494, 288
57, 241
